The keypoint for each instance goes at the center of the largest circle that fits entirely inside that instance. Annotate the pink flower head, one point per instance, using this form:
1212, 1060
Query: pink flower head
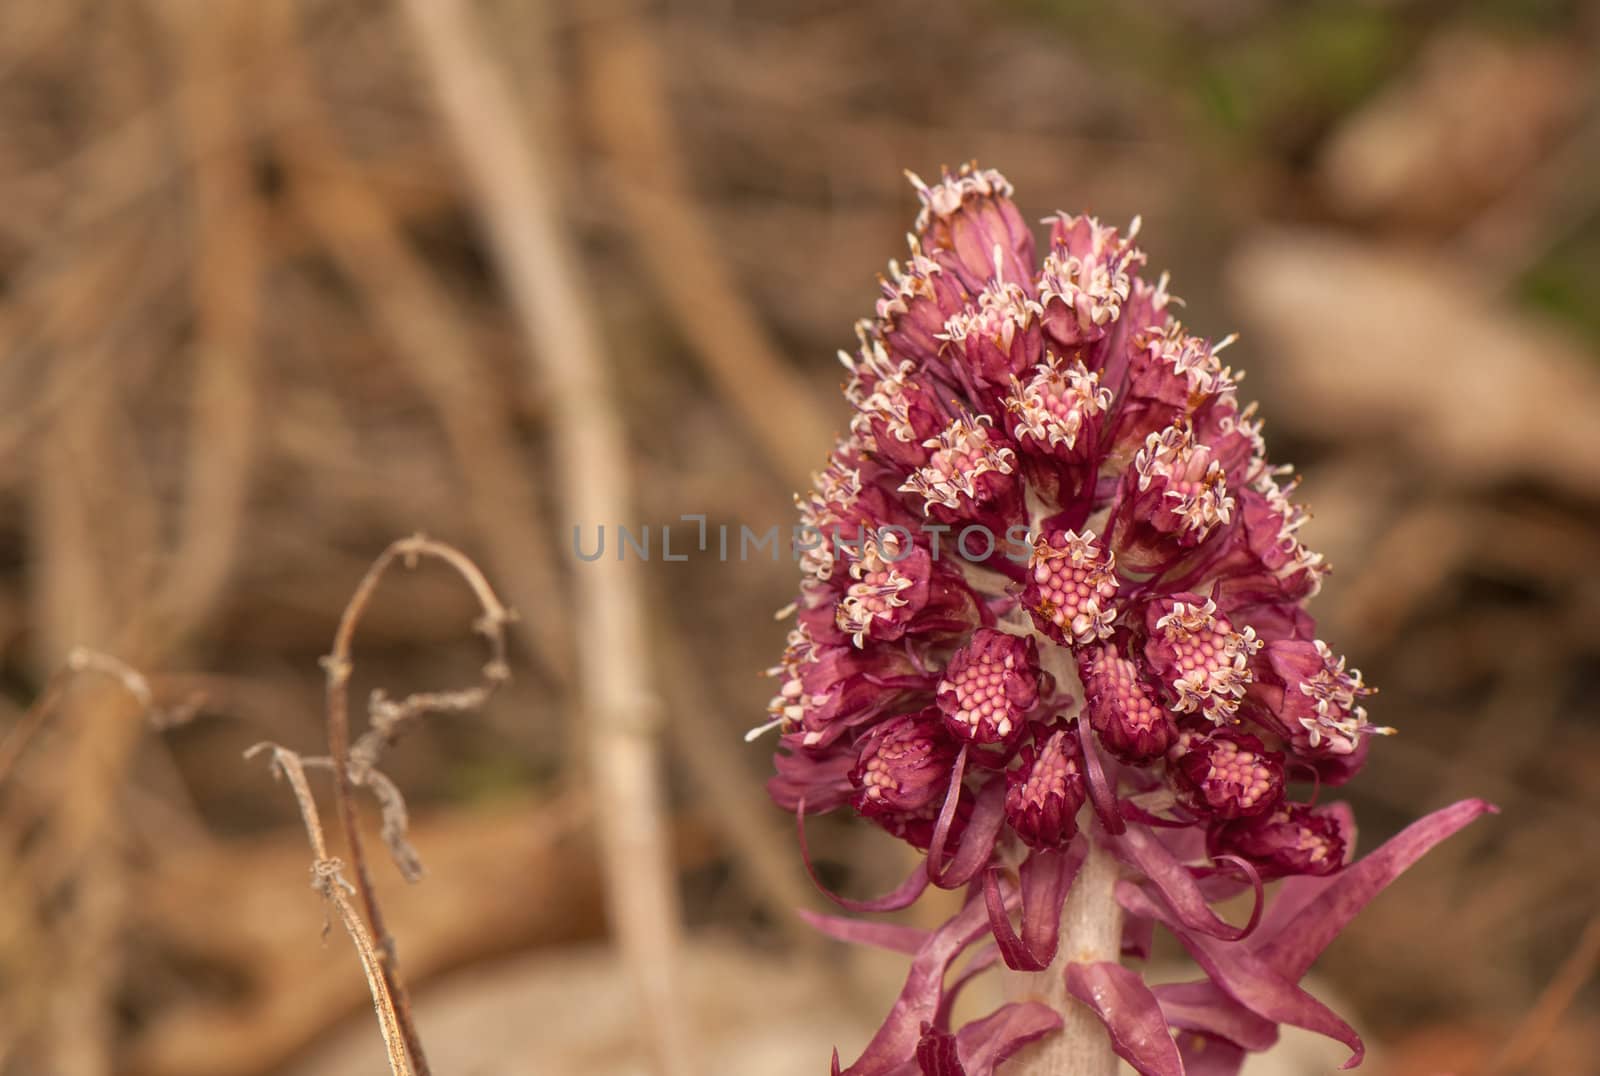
1227, 774
1172, 499
972, 229
1071, 589
1077, 684
990, 687
970, 469
1131, 722
1291, 839
1203, 663
1306, 693
1058, 410
1045, 789
904, 766
1086, 278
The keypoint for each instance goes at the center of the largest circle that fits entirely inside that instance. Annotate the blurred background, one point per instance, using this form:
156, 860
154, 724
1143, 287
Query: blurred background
254, 325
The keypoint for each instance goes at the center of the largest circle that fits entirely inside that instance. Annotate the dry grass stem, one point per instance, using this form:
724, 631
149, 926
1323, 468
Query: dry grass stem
627, 93
356, 765
327, 878
505, 155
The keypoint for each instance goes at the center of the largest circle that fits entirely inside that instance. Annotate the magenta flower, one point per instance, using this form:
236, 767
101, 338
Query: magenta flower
1051, 631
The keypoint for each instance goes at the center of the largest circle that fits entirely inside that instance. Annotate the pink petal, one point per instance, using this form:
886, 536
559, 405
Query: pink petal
977, 839
890, 936
1200, 1006
1044, 879
919, 1001
981, 961
947, 814
1132, 1016
1294, 945
986, 1043
1251, 981
1102, 792
1140, 847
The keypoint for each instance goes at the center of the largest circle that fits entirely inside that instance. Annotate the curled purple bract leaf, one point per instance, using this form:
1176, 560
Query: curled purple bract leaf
1251, 981
919, 1001
902, 896
1200, 1006
1043, 882
1293, 945
980, 962
1186, 906
947, 814
891, 936
976, 846
981, 1046
1101, 795
1131, 1014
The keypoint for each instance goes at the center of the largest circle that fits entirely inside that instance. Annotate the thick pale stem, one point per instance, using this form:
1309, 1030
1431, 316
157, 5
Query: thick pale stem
1091, 930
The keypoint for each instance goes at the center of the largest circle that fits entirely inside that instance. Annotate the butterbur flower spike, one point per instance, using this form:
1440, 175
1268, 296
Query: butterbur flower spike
1095, 707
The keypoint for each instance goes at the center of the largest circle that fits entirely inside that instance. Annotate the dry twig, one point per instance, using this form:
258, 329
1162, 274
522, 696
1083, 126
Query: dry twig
1525, 1043
327, 878
432, 339
628, 95
357, 765
505, 165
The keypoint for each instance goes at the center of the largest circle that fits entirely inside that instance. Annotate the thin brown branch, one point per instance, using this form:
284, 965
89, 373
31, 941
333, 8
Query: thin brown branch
327, 878
505, 154
627, 94
83, 659
227, 257
432, 339
1533, 1032
355, 766
31, 723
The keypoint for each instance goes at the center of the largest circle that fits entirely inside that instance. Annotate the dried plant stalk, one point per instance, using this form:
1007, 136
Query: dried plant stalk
327, 878
357, 765
506, 167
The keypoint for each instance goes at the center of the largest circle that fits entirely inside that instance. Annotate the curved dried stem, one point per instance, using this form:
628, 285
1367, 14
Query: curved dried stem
327, 878
84, 659
356, 765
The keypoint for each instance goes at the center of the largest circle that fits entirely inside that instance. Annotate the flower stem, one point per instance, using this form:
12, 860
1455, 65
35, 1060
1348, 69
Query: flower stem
1091, 930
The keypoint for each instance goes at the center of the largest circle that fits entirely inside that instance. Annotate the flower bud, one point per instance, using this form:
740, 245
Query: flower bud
1058, 410
1085, 279
889, 586
1045, 790
1170, 501
1227, 774
895, 410
969, 470
1303, 691
990, 686
918, 299
904, 765
970, 226
1292, 839
1132, 724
